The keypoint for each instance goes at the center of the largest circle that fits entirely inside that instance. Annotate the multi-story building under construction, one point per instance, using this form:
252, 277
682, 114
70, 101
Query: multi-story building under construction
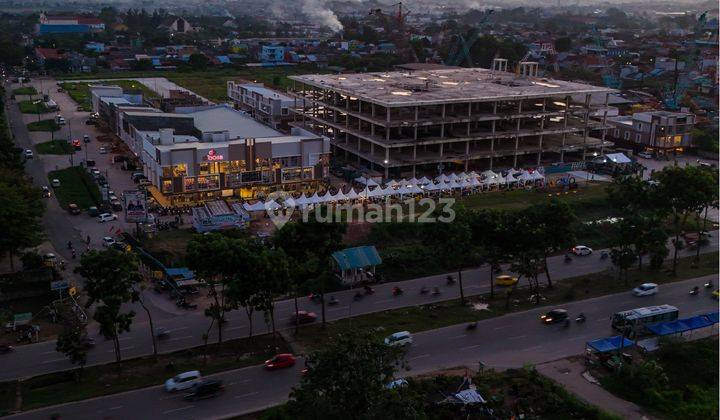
453, 119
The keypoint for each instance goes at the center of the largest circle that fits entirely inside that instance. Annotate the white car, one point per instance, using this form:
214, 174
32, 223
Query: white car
398, 383
402, 338
28, 154
106, 217
108, 241
182, 381
645, 289
582, 250
55, 182
103, 151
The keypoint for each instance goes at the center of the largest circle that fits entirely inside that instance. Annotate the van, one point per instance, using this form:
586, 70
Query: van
402, 338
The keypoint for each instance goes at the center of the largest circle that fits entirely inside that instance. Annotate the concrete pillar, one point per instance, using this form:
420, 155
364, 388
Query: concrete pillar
442, 130
604, 120
415, 131
414, 153
372, 110
372, 129
442, 147
417, 112
387, 114
467, 154
517, 145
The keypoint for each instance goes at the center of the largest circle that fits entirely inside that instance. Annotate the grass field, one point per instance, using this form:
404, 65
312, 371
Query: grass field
62, 387
25, 90
76, 186
54, 147
427, 317
32, 107
212, 84
43, 125
80, 91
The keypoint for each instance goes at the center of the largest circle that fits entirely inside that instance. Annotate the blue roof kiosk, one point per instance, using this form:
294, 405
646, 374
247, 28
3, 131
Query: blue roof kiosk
356, 265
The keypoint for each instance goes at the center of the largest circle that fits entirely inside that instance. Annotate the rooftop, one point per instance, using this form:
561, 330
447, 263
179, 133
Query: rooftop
238, 125
266, 92
430, 87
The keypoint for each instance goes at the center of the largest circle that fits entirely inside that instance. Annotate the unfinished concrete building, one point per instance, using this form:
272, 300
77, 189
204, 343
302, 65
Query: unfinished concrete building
402, 123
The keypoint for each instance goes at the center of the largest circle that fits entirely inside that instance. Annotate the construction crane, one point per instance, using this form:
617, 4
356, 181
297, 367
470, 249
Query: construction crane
394, 22
460, 51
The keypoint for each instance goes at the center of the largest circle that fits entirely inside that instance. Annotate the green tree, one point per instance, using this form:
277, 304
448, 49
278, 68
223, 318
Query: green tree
489, 230
553, 229
273, 272
20, 211
72, 341
198, 62
347, 378
110, 278
563, 44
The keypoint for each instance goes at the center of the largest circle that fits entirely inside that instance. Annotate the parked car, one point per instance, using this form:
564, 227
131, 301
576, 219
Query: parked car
116, 205
95, 172
73, 209
207, 388
91, 121
280, 361
582, 250
59, 120
645, 155
108, 241
303, 317
28, 154
182, 381
86, 138
505, 280
90, 163
102, 151
402, 338
645, 289
93, 211
107, 217
554, 316
55, 183
76, 144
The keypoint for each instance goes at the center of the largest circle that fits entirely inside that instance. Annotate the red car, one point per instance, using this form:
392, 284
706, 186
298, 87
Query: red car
303, 317
76, 144
280, 361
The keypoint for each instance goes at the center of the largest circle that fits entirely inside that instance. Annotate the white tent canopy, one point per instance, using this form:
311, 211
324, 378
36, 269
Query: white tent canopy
424, 181
366, 181
489, 175
271, 205
442, 178
256, 206
392, 183
340, 196
352, 195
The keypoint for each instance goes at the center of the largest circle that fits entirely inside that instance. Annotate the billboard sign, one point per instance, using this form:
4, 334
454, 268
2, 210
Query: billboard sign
135, 206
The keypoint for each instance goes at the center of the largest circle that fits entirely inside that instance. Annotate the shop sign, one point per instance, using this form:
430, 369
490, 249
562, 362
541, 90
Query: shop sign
213, 155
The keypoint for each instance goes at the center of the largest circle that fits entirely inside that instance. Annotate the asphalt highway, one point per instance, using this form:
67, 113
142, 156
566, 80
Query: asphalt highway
508, 341
186, 330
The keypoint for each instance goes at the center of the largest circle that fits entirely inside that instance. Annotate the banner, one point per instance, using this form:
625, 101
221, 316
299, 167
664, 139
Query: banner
135, 206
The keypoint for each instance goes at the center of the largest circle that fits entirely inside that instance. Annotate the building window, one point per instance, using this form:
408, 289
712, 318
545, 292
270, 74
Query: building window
639, 126
284, 111
189, 184
210, 182
626, 135
167, 186
637, 138
616, 133
180, 170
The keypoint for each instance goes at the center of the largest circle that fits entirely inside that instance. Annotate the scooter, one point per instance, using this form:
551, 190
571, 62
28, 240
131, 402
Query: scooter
450, 280
708, 285
471, 326
424, 290
397, 291
369, 290
580, 318
604, 255
333, 301
436, 291
694, 291
358, 296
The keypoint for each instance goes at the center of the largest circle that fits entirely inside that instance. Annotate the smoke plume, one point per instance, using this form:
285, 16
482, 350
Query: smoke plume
318, 11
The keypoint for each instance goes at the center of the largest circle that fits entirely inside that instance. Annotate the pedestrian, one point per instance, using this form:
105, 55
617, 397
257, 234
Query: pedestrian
87, 240
73, 254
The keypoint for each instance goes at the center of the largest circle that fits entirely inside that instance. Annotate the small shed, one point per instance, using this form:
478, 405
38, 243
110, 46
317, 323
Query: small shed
355, 265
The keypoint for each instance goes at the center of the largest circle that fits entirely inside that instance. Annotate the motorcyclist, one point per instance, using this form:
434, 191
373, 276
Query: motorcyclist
423, 290
333, 300
436, 290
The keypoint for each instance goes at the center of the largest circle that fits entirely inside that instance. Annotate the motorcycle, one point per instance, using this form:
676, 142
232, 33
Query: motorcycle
471, 326
604, 255
369, 290
450, 280
424, 290
708, 285
436, 291
397, 291
580, 318
694, 291
333, 301
162, 333
358, 296
314, 297
6, 348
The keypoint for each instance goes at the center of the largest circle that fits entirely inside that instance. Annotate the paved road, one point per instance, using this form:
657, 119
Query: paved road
187, 329
508, 341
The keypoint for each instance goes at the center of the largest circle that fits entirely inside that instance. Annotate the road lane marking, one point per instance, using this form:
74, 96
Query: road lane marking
178, 329
458, 336
181, 338
500, 328
49, 352
54, 360
247, 395
533, 348
517, 337
125, 338
236, 328
602, 320
116, 408
121, 349
471, 347
418, 357
178, 409
339, 308
383, 301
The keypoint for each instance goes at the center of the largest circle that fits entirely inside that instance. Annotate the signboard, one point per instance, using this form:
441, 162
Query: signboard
59, 285
135, 206
212, 155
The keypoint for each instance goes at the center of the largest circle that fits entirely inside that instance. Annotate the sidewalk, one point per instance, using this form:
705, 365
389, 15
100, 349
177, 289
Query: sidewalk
568, 373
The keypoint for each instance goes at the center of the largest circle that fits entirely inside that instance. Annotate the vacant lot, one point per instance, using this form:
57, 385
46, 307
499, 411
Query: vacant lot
54, 147
80, 91
43, 125
32, 107
76, 186
25, 90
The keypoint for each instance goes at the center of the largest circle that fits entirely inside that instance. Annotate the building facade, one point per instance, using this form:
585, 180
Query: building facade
451, 119
266, 105
660, 132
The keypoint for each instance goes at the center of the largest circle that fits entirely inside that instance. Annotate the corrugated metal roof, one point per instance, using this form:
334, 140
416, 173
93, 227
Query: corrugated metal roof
358, 257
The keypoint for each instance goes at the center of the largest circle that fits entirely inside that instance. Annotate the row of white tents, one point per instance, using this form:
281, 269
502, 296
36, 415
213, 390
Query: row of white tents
404, 187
